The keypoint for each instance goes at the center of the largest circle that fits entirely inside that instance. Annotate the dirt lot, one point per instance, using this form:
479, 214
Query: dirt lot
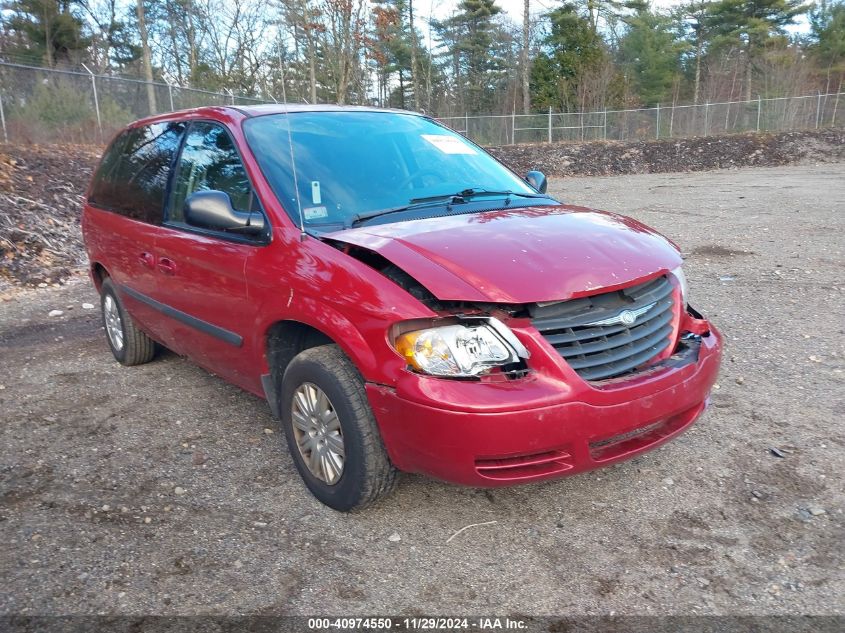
92, 453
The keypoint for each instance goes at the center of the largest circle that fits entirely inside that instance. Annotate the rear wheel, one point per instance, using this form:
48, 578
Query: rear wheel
331, 432
129, 345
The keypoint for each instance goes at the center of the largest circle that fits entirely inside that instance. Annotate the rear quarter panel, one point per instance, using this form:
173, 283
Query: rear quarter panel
116, 243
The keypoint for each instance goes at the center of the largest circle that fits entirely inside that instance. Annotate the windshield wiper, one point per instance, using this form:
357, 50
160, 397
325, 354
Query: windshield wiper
413, 204
473, 192
450, 199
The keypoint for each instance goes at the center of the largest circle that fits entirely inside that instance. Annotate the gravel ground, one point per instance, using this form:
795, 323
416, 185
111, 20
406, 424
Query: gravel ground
163, 490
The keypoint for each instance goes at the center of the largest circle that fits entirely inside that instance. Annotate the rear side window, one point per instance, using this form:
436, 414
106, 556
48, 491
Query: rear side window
132, 178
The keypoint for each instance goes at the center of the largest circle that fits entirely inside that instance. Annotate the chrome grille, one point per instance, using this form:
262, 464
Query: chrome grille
595, 334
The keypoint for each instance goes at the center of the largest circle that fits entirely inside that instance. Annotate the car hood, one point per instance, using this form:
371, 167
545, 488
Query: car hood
521, 255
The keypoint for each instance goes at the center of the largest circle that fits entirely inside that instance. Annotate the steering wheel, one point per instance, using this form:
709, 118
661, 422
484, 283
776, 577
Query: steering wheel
415, 175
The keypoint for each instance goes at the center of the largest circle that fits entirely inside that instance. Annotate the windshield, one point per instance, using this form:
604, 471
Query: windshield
351, 164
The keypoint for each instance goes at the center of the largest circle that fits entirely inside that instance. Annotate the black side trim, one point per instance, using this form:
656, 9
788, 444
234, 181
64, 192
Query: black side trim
198, 324
271, 395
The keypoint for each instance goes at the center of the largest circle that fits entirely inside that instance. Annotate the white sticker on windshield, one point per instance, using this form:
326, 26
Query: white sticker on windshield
449, 144
316, 198
315, 213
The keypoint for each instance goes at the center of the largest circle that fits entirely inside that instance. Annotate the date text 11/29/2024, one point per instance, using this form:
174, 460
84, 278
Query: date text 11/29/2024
418, 624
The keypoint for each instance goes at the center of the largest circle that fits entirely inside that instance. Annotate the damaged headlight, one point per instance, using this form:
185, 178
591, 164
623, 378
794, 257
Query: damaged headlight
678, 273
462, 350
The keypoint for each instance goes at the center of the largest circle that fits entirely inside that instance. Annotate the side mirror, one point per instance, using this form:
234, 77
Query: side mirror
537, 179
213, 210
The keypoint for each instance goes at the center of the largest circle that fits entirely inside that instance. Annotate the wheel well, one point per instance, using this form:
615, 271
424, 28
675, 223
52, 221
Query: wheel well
98, 275
285, 340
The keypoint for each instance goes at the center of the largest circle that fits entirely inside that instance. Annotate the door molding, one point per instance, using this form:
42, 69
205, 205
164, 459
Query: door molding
232, 338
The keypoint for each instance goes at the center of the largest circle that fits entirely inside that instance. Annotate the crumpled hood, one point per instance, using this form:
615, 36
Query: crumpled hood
522, 255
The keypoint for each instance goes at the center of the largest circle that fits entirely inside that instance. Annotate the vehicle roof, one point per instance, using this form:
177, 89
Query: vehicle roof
281, 108
235, 112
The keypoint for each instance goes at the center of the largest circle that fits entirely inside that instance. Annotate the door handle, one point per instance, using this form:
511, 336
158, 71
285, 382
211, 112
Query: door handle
147, 260
167, 266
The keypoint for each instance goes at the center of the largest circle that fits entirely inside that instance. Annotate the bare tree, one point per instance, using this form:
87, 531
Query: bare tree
103, 14
303, 19
233, 38
181, 39
311, 28
146, 56
343, 42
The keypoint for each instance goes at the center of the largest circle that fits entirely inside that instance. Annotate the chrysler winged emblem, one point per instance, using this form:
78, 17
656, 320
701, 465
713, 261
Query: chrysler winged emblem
626, 317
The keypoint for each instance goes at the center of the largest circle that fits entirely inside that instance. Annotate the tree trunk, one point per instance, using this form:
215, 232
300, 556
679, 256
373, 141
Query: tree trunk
697, 88
308, 28
526, 71
312, 70
750, 50
193, 56
401, 90
48, 40
428, 69
749, 67
174, 50
414, 83
147, 57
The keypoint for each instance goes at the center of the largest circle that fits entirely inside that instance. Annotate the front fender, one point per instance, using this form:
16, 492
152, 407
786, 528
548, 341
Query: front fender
310, 282
326, 319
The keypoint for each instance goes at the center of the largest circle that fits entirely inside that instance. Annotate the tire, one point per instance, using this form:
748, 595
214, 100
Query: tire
131, 346
366, 473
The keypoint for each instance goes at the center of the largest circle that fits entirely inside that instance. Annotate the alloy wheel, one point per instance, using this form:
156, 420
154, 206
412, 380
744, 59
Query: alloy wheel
114, 324
318, 433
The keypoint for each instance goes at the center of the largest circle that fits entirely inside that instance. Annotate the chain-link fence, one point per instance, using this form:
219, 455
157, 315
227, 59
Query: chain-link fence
40, 105
661, 122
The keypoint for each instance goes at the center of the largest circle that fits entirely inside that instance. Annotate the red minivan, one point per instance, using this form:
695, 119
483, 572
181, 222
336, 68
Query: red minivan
402, 300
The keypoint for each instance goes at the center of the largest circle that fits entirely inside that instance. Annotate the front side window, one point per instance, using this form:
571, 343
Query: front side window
132, 179
354, 163
210, 162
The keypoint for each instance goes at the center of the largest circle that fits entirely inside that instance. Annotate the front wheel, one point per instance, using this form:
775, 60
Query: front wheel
331, 431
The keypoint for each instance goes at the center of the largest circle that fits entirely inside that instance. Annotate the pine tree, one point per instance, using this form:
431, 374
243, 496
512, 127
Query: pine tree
650, 55
694, 27
750, 25
571, 50
827, 28
52, 31
472, 37
391, 49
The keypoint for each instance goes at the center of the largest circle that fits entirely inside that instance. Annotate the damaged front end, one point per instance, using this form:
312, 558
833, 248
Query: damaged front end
604, 337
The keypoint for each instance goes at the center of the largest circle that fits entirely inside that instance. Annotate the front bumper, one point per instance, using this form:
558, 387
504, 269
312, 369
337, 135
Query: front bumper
538, 427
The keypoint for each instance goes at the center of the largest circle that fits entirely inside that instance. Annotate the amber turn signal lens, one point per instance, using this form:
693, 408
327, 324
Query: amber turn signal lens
405, 346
